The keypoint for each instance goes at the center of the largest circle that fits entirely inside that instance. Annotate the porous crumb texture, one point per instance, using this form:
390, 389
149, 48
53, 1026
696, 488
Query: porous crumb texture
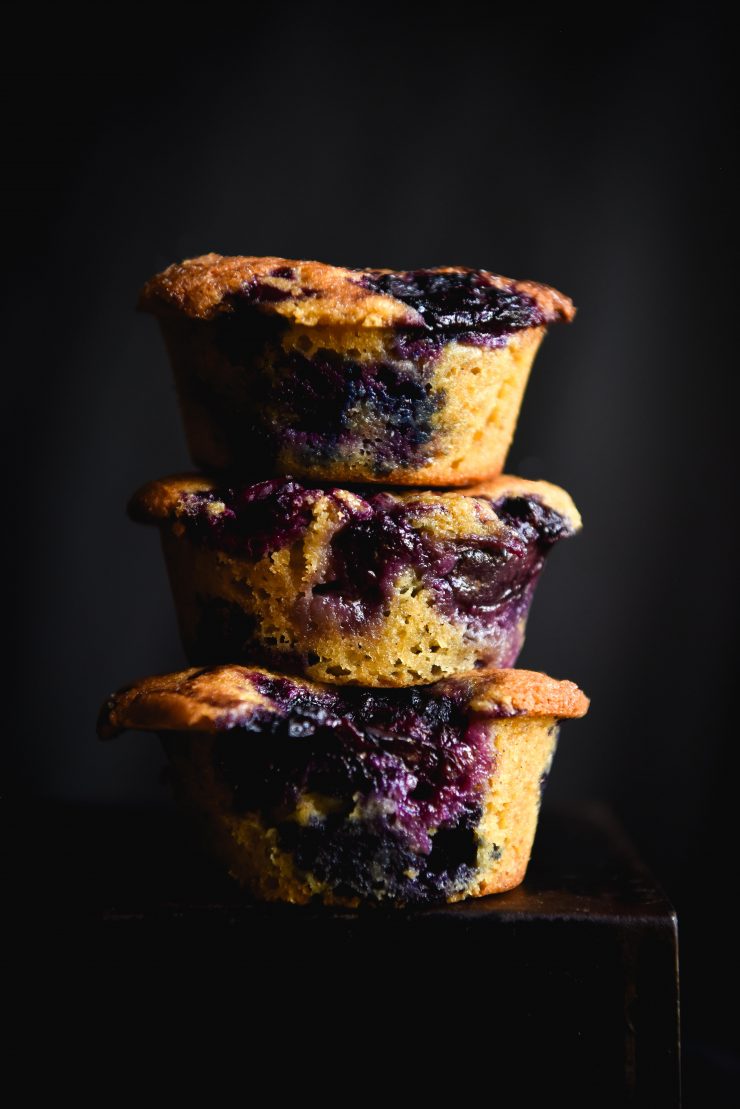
381, 589
409, 378
354, 796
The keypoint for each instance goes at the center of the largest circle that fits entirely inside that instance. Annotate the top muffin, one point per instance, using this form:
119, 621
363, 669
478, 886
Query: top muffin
408, 378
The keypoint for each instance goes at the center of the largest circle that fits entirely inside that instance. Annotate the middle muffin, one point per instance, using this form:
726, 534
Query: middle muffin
376, 589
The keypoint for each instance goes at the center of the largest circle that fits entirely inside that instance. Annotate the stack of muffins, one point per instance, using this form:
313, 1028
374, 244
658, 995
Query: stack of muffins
352, 574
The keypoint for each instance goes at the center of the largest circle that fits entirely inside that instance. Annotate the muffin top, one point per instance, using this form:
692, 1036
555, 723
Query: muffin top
196, 499
219, 698
447, 298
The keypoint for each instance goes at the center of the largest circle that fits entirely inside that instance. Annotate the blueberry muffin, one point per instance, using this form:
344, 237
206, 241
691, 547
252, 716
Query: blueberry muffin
405, 378
376, 588
354, 796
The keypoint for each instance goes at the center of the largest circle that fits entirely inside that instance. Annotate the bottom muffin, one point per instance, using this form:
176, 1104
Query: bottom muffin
353, 796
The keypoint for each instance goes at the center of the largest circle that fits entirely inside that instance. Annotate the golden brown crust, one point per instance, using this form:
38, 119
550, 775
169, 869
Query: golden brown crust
161, 499
307, 293
196, 700
208, 699
525, 693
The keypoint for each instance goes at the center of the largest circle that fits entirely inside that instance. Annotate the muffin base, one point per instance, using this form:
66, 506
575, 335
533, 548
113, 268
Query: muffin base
521, 752
354, 796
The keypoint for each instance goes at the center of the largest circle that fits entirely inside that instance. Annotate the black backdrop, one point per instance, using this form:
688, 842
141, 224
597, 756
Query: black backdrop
593, 158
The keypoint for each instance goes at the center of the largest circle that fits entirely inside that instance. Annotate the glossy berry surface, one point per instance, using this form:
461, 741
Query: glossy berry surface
465, 301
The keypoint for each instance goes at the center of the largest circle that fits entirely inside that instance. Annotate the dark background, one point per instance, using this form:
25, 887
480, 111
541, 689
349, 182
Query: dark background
591, 157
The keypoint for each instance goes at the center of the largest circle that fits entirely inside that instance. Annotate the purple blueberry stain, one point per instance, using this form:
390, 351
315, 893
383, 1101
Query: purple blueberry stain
334, 404
250, 520
407, 764
256, 292
323, 406
485, 583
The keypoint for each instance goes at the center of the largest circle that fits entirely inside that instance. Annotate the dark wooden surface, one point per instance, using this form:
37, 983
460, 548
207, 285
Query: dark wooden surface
569, 983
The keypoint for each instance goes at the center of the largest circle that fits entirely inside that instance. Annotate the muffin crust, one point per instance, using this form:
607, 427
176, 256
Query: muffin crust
311, 293
214, 698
